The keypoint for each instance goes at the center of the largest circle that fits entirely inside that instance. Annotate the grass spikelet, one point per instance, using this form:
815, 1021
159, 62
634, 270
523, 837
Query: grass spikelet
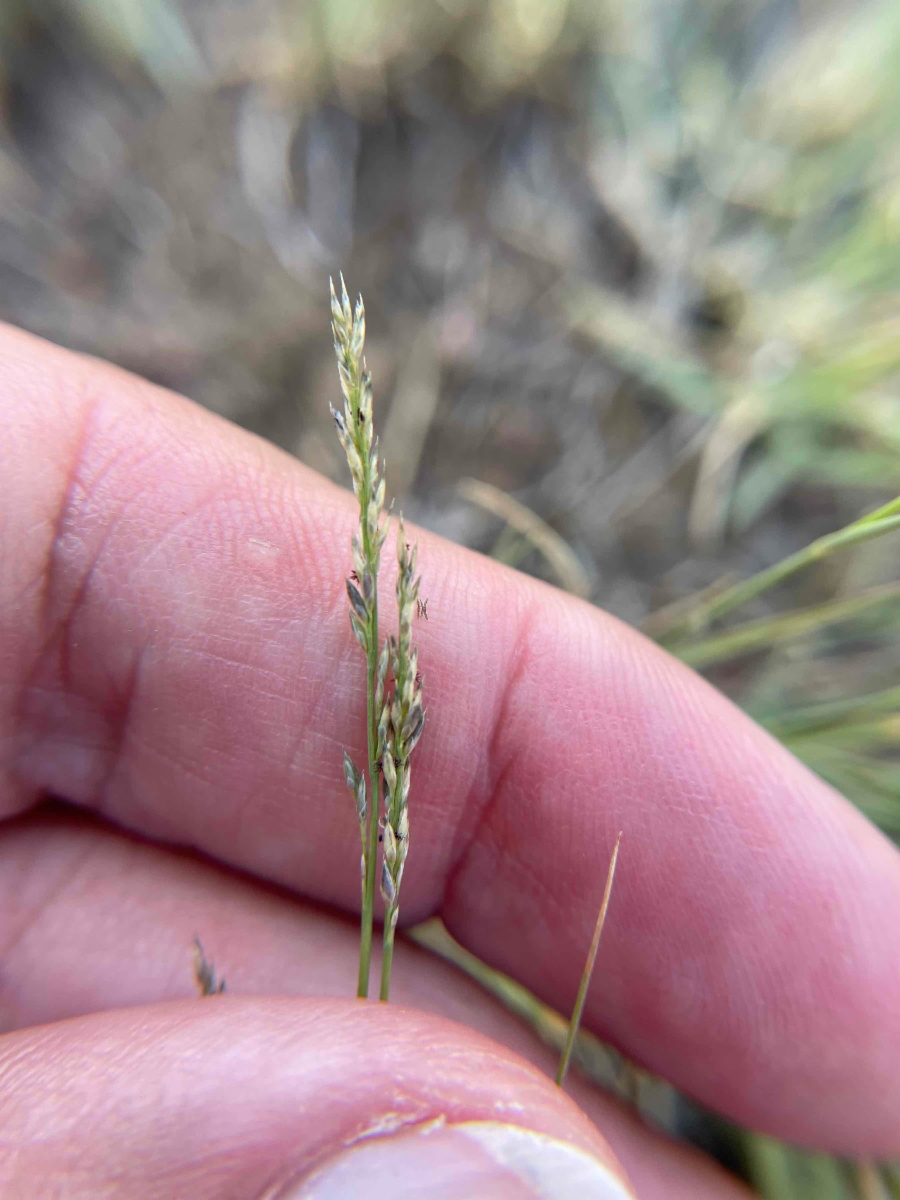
208, 984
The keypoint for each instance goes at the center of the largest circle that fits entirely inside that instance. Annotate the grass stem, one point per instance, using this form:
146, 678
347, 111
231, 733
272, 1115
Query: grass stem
387, 961
367, 915
770, 631
884, 520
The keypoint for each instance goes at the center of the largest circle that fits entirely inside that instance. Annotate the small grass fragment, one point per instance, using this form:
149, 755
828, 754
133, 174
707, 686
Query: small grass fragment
578, 1010
205, 972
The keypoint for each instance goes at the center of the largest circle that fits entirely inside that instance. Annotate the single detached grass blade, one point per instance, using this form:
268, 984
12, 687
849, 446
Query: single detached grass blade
536, 532
577, 1011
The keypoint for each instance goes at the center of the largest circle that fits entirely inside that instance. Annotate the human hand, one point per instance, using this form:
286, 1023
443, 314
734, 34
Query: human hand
178, 669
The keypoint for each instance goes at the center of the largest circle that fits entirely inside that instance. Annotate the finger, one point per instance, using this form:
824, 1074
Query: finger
321, 1099
176, 655
93, 919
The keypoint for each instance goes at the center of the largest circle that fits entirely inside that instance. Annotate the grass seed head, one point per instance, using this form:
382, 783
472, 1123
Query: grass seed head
396, 716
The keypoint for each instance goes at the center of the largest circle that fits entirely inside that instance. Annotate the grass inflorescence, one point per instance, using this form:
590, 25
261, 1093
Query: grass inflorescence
395, 716
400, 727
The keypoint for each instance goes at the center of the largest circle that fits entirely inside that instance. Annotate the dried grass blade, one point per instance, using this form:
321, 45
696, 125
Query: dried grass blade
869, 1181
575, 1021
560, 556
205, 978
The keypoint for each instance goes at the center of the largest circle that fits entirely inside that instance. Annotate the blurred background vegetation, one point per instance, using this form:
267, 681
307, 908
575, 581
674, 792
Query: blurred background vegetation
632, 274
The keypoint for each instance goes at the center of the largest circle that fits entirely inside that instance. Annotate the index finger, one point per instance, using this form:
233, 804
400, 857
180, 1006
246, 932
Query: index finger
176, 654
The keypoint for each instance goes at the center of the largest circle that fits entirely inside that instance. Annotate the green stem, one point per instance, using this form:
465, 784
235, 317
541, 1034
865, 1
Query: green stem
368, 905
387, 943
892, 1179
770, 631
884, 520
816, 717
387, 957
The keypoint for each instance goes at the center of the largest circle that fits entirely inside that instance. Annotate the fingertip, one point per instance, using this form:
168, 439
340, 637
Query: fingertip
265, 1090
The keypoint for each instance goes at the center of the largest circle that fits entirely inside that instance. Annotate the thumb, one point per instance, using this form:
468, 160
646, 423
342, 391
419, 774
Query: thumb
281, 1097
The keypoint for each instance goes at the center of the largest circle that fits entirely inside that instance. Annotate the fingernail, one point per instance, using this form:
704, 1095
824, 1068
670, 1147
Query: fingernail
458, 1162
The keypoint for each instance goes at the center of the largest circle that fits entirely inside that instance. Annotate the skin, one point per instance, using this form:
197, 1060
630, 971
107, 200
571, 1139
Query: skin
178, 673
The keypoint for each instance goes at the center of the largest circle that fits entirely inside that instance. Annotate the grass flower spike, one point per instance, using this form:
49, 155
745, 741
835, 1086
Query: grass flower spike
400, 727
354, 426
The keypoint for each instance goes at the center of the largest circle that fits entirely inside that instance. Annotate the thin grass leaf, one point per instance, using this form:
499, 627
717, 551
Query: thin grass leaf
761, 485
664, 622
862, 530
871, 784
152, 32
597, 1061
559, 555
815, 717
890, 1173
768, 1167
578, 1010
623, 332
770, 631
747, 416
892, 508
870, 1182
781, 1172
876, 736
820, 1176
